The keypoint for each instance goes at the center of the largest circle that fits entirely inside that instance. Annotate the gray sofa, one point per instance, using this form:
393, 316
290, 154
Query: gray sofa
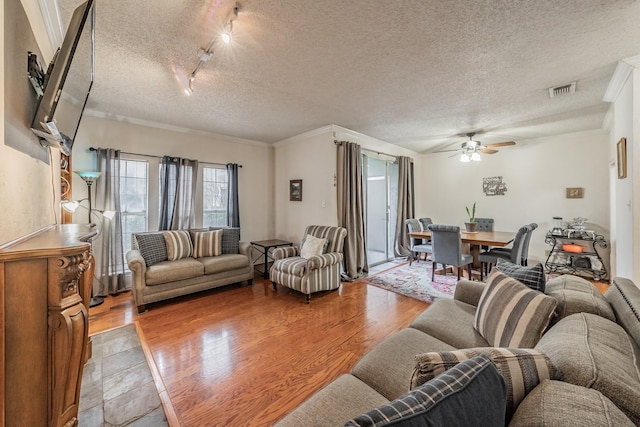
168, 279
592, 340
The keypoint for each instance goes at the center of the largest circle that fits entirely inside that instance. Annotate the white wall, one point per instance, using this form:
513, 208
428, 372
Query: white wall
312, 157
255, 176
536, 173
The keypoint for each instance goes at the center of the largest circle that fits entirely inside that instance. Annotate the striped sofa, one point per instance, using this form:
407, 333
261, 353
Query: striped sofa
318, 273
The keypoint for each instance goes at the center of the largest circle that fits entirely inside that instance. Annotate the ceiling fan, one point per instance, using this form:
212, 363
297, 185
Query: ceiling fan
471, 149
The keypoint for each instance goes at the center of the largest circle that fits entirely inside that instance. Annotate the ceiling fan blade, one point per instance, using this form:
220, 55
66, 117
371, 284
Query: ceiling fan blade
488, 151
501, 144
453, 155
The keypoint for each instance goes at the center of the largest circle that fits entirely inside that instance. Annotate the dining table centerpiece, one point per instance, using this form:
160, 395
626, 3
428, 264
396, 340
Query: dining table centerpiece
471, 225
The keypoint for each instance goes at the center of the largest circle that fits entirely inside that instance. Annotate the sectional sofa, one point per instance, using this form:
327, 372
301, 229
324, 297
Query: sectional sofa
586, 371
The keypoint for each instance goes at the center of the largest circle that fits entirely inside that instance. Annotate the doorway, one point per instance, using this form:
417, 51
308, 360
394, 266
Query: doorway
381, 192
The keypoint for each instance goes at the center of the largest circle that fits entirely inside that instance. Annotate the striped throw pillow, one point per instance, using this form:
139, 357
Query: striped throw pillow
178, 244
523, 369
207, 243
509, 314
470, 392
532, 276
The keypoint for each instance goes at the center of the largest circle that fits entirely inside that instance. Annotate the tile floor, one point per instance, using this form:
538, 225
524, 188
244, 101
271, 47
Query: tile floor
117, 386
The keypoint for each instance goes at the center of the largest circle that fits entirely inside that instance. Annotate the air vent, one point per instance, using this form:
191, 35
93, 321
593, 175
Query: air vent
562, 90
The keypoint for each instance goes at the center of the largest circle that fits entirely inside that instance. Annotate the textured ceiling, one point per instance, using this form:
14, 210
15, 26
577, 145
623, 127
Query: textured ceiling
413, 73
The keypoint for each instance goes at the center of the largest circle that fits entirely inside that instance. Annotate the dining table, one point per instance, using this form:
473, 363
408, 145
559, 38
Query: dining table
474, 240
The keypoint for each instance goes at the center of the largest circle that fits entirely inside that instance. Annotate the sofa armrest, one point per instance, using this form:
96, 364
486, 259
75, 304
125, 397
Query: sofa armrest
324, 260
138, 271
244, 248
468, 292
285, 252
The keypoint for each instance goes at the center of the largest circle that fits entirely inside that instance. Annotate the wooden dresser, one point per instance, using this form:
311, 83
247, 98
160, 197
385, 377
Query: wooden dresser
45, 280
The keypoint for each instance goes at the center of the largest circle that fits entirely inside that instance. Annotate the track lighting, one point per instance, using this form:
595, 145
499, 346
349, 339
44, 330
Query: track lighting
205, 54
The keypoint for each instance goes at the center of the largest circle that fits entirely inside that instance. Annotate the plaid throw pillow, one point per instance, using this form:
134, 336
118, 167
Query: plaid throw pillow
532, 276
178, 244
152, 247
523, 369
509, 314
230, 239
207, 243
470, 391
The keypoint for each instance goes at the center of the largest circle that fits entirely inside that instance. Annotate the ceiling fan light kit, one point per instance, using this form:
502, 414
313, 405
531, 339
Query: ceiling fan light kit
471, 149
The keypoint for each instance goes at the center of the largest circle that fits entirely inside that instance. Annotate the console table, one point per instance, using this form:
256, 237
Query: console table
263, 246
588, 262
44, 324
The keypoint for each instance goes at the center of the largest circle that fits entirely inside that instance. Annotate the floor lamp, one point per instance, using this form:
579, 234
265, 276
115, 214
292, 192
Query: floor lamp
90, 177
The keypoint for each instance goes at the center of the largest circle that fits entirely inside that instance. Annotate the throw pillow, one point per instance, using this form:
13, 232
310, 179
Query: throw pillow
230, 239
178, 244
207, 243
152, 247
471, 393
532, 276
509, 314
312, 246
523, 369
325, 246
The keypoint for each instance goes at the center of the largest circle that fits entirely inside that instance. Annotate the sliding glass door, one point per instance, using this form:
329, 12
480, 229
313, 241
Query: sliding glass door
381, 192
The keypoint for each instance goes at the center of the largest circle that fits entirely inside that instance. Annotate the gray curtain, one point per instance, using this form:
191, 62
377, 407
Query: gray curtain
108, 248
351, 209
178, 179
406, 206
233, 208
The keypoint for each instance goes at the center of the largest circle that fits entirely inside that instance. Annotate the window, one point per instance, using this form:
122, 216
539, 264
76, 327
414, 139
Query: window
214, 197
134, 187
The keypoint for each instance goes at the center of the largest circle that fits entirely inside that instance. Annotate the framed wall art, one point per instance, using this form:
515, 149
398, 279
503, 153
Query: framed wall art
295, 190
622, 158
575, 193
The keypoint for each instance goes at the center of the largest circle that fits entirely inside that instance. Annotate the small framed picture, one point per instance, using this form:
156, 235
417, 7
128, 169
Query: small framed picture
622, 158
295, 190
575, 193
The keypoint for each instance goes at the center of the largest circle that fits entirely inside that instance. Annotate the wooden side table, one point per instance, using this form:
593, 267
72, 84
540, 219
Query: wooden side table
263, 247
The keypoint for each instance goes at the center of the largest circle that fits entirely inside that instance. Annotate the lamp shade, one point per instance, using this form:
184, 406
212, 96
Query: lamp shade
88, 176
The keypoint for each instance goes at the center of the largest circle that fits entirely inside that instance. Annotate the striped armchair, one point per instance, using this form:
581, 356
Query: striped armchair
317, 273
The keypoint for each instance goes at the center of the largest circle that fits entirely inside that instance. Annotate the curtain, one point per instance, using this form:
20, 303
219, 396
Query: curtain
406, 206
351, 209
108, 249
233, 208
178, 179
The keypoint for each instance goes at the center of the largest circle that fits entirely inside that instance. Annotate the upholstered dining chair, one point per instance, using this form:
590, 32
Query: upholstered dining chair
425, 222
489, 258
525, 245
484, 224
316, 272
447, 249
418, 246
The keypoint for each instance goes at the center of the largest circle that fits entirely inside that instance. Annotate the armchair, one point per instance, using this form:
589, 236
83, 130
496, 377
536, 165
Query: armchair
316, 273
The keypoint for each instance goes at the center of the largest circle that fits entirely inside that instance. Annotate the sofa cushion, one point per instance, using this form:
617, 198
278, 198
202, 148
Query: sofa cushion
532, 276
457, 331
556, 403
577, 295
510, 314
624, 297
312, 246
220, 263
206, 243
179, 244
389, 365
152, 247
594, 352
523, 369
334, 404
471, 393
171, 271
230, 239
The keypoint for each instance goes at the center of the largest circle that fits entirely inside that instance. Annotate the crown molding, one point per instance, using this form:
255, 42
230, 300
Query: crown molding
304, 136
52, 22
620, 76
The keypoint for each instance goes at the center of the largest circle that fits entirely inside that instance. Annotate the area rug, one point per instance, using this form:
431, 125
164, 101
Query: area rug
415, 281
117, 385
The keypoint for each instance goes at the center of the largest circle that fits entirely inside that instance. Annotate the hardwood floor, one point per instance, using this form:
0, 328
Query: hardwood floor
246, 355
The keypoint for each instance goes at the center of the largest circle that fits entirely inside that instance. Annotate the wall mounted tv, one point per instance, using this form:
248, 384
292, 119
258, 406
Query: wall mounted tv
67, 83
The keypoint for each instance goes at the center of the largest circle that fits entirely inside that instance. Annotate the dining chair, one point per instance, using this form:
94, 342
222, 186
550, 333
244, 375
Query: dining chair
514, 255
418, 246
525, 245
447, 249
484, 224
425, 222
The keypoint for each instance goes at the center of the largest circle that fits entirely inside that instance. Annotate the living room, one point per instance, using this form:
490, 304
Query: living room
537, 171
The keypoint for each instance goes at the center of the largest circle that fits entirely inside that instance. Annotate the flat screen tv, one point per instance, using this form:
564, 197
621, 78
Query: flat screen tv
67, 83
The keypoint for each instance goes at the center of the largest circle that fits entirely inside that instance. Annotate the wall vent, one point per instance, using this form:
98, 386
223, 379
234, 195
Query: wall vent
562, 90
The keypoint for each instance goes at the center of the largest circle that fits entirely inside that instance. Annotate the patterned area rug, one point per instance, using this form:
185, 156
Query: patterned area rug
415, 281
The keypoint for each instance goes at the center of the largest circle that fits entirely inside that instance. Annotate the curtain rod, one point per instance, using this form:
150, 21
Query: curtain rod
335, 141
159, 157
